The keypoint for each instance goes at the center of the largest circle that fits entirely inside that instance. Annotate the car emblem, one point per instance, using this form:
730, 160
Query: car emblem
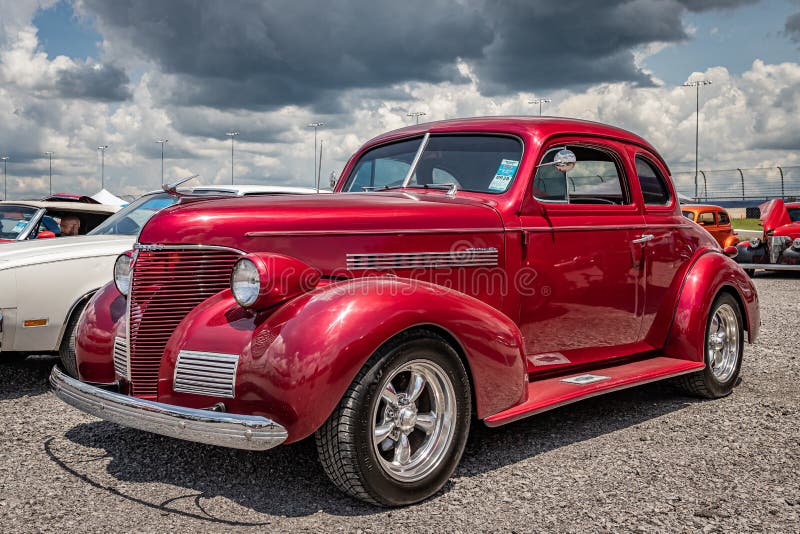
150, 248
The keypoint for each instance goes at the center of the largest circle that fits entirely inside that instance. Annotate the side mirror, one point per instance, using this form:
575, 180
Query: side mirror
332, 180
45, 234
565, 160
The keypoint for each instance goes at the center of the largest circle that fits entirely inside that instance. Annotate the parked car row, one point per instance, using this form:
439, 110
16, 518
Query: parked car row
45, 284
488, 268
778, 248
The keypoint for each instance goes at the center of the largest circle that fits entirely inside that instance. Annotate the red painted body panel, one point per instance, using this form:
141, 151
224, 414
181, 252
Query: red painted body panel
94, 335
711, 273
570, 288
554, 392
297, 361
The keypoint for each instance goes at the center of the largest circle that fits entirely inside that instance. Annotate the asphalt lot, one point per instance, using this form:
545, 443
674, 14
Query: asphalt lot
646, 459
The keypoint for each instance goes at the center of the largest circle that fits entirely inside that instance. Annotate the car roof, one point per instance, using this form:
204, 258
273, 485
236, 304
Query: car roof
696, 207
62, 206
542, 127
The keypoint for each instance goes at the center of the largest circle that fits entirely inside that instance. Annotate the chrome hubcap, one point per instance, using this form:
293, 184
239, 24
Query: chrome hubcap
413, 420
722, 345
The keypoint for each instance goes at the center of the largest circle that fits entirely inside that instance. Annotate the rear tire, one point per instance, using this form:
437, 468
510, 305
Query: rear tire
66, 351
750, 272
723, 350
399, 431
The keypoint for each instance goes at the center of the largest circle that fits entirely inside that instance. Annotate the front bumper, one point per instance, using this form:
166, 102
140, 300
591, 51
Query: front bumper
248, 432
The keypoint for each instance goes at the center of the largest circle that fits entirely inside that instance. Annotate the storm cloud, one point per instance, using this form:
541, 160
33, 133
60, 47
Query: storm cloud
93, 81
265, 55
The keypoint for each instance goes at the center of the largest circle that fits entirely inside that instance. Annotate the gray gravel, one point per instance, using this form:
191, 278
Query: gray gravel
647, 459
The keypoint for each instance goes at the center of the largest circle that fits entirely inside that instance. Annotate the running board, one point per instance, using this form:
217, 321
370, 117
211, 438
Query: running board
770, 266
557, 391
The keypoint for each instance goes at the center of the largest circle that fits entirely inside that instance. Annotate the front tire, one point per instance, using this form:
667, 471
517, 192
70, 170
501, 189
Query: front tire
66, 352
723, 350
400, 429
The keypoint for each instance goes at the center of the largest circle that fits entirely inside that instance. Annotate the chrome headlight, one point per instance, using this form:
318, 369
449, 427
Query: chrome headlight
755, 242
245, 282
122, 273
796, 243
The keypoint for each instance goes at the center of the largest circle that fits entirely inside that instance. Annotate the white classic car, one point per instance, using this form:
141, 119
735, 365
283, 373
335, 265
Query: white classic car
44, 284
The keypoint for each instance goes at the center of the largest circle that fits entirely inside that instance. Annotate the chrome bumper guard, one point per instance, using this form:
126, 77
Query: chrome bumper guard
248, 432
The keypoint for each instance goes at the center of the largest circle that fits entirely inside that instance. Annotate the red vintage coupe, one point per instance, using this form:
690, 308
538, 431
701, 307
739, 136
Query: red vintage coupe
488, 268
778, 248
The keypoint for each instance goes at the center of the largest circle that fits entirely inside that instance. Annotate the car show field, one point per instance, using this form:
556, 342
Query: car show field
644, 459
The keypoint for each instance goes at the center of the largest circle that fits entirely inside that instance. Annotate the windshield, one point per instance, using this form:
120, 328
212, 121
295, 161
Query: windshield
131, 219
14, 220
794, 214
478, 163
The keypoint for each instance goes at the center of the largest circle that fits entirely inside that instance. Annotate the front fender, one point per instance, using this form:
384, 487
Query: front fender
103, 316
710, 273
296, 362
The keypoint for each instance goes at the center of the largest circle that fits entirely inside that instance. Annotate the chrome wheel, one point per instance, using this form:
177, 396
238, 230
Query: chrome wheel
722, 343
413, 420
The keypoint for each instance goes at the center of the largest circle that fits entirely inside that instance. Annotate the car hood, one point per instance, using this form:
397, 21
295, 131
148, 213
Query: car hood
33, 252
321, 229
774, 214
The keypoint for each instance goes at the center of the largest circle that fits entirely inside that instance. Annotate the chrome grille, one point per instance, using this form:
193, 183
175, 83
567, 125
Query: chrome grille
166, 285
471, 257
206, 373
121, 357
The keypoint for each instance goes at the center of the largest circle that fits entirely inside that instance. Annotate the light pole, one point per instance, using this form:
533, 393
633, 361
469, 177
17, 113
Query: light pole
102, 149
162, 142
231, 135
5, 177
696, 84
416, 115
540, 101
50, 155
315, 125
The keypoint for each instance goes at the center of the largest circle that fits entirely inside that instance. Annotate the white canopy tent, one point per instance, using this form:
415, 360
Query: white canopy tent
109, 199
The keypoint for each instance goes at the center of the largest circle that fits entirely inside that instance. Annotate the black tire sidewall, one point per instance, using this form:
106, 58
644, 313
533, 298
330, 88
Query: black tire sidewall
376, 482
717, 388
68, 359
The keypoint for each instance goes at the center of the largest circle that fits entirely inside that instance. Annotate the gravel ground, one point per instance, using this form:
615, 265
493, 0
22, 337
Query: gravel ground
646, 459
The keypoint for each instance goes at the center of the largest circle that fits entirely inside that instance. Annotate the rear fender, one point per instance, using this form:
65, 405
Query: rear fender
711, 273
297, 361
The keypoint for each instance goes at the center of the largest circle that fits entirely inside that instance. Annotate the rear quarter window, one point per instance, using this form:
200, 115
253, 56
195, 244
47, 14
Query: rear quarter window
653, 184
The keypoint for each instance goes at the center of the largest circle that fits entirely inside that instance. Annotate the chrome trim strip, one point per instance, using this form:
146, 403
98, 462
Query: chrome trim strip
471, 257
416, 159
247, 432
121, 367
206, 373
380, 231
155, 247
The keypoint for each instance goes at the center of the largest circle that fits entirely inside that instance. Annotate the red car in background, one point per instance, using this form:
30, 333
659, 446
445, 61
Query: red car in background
779, 246
487, 268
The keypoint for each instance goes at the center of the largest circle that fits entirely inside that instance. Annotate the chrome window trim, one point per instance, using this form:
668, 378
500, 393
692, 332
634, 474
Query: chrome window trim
33, 223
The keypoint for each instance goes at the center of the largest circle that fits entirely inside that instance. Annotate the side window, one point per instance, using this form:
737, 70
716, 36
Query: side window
689, 215
654, 187
596, 179
723, 217
706, 218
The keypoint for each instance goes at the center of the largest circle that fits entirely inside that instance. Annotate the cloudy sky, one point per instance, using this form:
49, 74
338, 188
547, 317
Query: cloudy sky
78, 74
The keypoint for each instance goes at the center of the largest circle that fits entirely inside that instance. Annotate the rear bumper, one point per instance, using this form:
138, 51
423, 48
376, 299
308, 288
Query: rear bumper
204, 426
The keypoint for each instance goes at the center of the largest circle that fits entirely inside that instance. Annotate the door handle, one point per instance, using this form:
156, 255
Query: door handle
644, 239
